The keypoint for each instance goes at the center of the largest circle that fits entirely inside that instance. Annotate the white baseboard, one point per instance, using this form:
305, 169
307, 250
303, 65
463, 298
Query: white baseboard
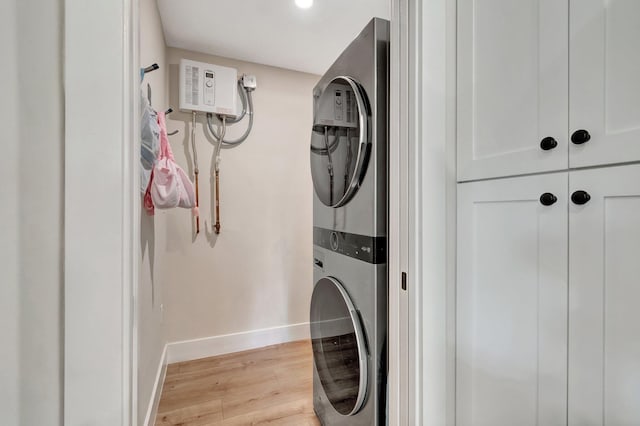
152, 411
188, 350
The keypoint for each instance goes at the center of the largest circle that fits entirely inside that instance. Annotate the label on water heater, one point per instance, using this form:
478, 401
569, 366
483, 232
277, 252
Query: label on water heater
191, 82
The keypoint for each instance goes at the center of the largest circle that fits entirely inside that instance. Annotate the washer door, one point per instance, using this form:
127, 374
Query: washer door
339, 350
340, 144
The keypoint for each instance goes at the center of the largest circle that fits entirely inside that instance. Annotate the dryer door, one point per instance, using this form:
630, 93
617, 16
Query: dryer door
339, 349
340, 141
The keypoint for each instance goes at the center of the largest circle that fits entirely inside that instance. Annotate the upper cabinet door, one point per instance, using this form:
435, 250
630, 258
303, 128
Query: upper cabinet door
604, 297
605, 81
511, 362
512, 87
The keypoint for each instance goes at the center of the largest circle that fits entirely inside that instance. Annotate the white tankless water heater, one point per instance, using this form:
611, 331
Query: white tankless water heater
208, 88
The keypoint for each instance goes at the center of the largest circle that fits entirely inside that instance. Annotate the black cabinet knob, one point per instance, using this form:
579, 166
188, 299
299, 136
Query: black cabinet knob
548, 199
548, 143
580, 136
580, 197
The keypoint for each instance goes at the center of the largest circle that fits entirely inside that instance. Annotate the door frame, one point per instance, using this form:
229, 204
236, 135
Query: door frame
422, 216
101, 72
101, 52
399, 400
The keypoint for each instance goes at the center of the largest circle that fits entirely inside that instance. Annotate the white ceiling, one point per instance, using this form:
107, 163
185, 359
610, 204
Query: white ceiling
271, 32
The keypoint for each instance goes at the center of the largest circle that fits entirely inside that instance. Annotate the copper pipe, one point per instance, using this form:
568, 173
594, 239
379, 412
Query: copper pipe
196, 171
197, 204
217, 225
217, 169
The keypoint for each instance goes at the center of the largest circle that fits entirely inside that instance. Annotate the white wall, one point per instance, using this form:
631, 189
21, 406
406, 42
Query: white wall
41, 210
258, 272
151, 339
32, 167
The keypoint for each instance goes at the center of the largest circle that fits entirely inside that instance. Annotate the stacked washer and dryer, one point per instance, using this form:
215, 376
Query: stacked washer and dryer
349, 145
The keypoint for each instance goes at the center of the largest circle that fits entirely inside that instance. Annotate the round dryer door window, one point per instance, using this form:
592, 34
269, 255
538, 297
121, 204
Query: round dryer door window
340, 145
339, 350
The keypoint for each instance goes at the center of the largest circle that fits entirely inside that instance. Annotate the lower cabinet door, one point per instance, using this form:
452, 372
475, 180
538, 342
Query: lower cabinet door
604, 297
512, 302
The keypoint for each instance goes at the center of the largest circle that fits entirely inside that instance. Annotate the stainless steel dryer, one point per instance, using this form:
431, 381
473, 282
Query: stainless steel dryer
349, 138
349, 168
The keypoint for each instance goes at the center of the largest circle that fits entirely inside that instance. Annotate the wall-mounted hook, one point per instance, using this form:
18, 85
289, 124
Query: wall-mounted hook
151, 67
167, 112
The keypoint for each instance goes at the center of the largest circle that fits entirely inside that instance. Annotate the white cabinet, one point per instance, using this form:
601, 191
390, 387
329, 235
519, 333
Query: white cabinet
512, 302
523, 269
548, 296
532, 69
605, 80
604, 298
512, 86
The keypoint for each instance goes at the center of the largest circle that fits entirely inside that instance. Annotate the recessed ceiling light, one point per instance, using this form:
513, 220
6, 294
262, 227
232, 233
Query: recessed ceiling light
304, 4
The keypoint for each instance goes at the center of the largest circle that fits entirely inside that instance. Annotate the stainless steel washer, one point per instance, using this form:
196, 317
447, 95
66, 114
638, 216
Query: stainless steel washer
348, 334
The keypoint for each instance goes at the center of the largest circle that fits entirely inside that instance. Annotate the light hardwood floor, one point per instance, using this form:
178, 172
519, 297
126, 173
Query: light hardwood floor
266, 386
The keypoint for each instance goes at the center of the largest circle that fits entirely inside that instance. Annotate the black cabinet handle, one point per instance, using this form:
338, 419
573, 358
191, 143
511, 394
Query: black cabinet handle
580, 197
548, 199
548, 143
580, 136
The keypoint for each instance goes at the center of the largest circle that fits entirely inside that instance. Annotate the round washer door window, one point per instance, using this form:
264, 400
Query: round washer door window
339, 350
340, 145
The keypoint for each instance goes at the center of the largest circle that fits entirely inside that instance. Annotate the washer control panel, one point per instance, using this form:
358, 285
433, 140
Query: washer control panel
362, 247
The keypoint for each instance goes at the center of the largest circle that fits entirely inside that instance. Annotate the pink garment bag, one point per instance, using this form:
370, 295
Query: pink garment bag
169, 186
